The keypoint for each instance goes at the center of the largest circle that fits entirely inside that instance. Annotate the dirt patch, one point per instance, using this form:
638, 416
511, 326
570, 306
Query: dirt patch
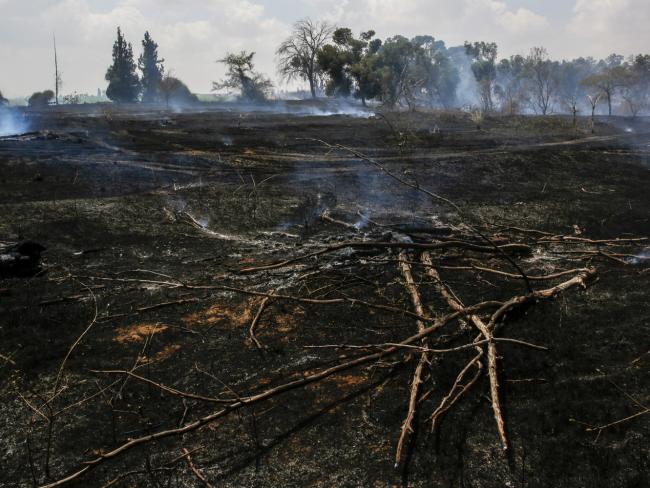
138, 332
229, 316
288, 321
165, 353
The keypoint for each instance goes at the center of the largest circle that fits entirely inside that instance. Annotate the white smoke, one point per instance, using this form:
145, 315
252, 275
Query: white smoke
11, 123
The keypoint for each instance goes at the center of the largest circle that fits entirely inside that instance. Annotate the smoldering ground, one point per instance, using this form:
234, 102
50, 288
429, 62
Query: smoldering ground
111, 206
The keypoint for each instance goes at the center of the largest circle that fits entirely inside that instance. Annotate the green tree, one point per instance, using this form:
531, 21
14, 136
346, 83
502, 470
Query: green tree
335, 61
298, 54
241, 75
40, 99
510, 84
123, 81
403, 70
351, 65
172, 90
635, 84
152, 70
442, 75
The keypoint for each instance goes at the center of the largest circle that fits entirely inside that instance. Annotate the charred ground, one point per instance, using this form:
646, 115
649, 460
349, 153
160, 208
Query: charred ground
142, 213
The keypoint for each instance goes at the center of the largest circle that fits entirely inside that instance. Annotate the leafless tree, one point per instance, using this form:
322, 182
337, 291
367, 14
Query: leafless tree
572, 104
594, 100
634, 93
609, 81
542, 78
297, 55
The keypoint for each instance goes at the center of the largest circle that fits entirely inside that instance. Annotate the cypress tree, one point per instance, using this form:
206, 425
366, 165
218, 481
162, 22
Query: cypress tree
123, 81
152, 70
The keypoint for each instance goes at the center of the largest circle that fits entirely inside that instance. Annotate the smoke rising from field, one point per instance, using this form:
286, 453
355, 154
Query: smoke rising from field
11, 123
307, 108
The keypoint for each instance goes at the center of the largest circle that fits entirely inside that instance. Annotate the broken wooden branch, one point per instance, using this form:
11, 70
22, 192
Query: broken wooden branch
256, 319
245, 401
407, 425
514, 248
196, 472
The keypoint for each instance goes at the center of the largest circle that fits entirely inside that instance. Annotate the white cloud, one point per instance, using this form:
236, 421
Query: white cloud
194, 33
601, 27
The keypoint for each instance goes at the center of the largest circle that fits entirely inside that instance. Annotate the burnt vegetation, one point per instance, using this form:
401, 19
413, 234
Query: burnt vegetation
429, 287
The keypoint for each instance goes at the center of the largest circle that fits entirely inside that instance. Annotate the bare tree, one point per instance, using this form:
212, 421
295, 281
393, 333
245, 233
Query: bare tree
633, 92
298, 54
542, 78
594, 100
608, 82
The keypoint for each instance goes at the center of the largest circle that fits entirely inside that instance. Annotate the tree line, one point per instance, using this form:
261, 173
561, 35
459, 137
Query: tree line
399, 72
423, 71
152, 85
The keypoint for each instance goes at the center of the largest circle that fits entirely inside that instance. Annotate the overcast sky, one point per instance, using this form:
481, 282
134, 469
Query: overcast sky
194, 33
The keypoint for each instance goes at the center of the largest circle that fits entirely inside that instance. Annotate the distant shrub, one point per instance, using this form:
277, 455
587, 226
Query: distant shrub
41, 99
174, 91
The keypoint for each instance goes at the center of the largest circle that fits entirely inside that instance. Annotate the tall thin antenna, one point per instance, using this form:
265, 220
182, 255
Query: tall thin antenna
57, 77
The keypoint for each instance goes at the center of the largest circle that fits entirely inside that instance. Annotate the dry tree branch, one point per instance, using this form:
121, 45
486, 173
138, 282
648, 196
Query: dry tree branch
617, 422
514, 248
328, 218
494, 381
410, 285
76, 343
256, 319
454, 304
487, 330
311, 301
430, 350
196, 472
458, 389
165, 388
434, 196
270, 393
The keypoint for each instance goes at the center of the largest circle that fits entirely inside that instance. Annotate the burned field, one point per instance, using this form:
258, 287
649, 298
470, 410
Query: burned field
236, 298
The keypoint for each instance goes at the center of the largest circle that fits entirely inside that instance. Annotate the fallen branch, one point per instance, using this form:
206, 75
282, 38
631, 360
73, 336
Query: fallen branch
165, 388
196, 472
515, 248
430, 350
458, 389
311, 301
328, 218
168, 304
485, 331
407, 428
256, 319
618, 422
7, 359
216, 415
